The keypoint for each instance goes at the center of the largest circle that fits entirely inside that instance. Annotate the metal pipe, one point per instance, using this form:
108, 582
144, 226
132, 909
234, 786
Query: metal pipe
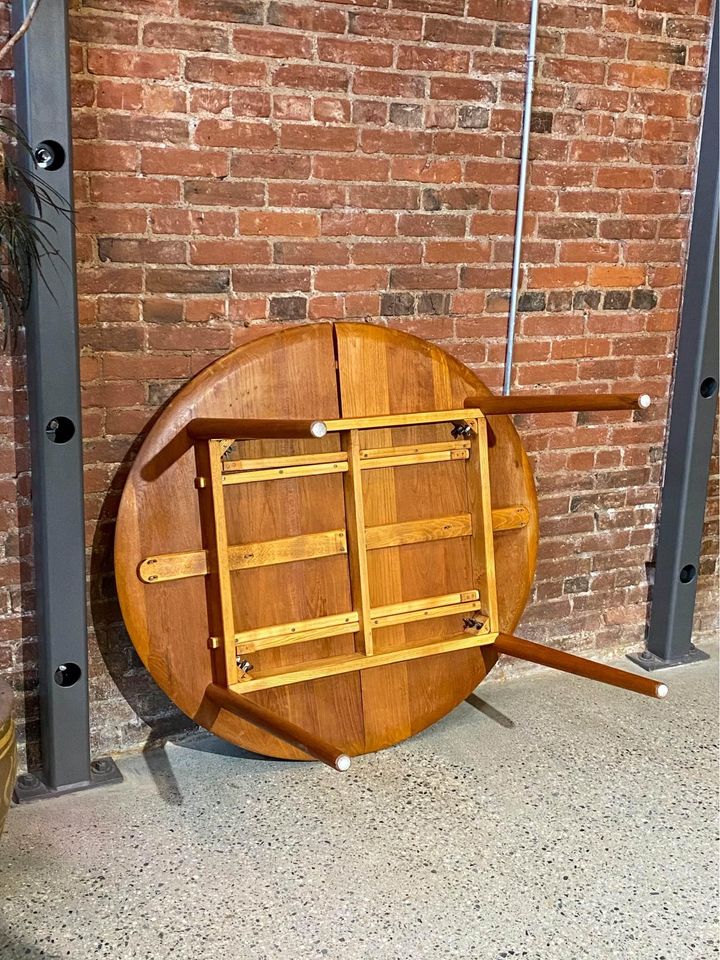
522, 185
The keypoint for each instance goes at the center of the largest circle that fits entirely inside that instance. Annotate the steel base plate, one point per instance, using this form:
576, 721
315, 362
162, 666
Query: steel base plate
648, 661
103, 772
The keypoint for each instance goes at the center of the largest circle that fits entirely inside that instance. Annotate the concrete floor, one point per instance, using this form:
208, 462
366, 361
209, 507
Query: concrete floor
554, 818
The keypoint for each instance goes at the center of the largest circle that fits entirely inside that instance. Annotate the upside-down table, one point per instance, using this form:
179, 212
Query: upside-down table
327, 538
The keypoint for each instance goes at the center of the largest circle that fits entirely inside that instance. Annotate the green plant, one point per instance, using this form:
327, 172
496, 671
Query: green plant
25, 235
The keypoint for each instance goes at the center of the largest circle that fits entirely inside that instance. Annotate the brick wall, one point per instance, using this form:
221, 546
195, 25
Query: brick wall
244, 163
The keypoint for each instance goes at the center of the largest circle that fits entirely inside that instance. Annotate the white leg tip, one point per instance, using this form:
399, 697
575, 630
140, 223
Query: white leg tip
662, 691
644, 401
342, 763
318, 429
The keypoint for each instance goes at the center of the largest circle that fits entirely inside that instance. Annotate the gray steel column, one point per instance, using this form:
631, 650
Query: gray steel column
43, 112
692, 414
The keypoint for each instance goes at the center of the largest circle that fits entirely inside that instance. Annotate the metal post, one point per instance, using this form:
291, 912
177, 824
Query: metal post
43, 112
692, 415
522, 190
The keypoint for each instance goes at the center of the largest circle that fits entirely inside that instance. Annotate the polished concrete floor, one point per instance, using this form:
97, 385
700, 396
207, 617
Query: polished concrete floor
552, 818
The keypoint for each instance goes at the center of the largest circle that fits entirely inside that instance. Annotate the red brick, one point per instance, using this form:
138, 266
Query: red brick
432, 59
273, 166
119, 96
457, 251
386, 25
574, 71
634, 75
110, 156
458, 31
310, 77
318, 196
184, 162
180, 36
127, 63
617, 277
557, 277
386, 252
353, 278
277, 224
332, 110
426, 170
310, 253
272, 43
360, 52
376, 83
208, 252
351, 168
236, 73
310, 137
234, 133
457, 88
358, 224
623, 178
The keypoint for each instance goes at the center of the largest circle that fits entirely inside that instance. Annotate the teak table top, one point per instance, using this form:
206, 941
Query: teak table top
330, 373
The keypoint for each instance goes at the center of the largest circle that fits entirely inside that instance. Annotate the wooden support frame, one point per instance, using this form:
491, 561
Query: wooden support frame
219, 559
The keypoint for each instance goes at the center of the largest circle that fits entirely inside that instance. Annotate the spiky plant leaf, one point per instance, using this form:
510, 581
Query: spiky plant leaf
26, 245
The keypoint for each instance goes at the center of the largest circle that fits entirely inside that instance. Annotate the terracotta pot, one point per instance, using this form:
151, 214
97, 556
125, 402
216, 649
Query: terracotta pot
8, 754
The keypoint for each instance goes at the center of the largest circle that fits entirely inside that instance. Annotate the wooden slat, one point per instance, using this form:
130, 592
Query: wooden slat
419, 531
478, 485
372, 453
424, 603
243, 556
400, 420
510, 518
259, 463
218, 587
431, 613
357, 546
286, 473
439, 456
298, 631
333, 666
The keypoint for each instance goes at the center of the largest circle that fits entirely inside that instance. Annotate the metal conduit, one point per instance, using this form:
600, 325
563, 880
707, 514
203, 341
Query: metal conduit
522, 185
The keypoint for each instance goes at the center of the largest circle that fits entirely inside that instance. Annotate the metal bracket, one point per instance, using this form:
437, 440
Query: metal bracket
649, 661
29, 786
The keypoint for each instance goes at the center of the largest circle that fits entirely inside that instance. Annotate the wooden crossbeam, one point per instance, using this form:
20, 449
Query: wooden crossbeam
419, 531
400, 420
437, 456
426, 608
299, 631
338, 465
333, 666
328, 543
371, 453
242, 556
296, 460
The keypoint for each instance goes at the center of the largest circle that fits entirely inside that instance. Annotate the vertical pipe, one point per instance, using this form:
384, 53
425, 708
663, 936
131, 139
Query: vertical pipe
522, 185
